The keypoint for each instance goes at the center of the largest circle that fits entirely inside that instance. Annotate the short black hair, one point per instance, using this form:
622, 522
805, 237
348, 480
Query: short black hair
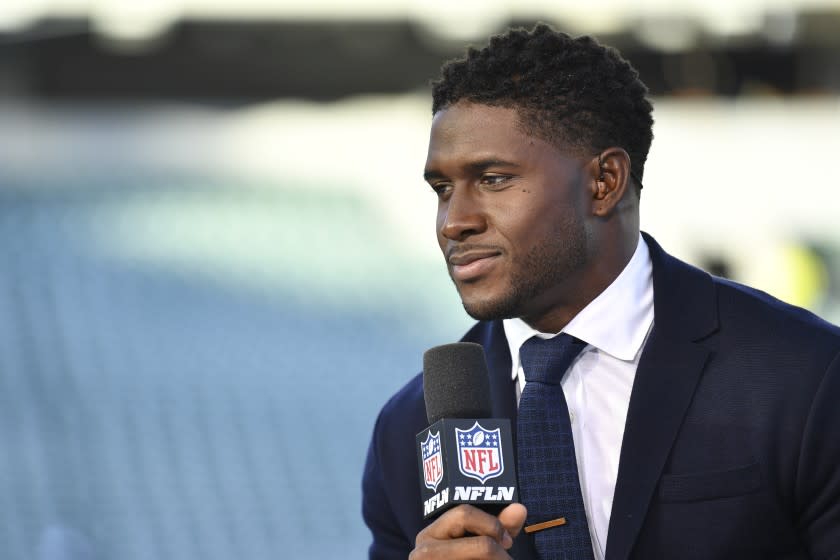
573, 92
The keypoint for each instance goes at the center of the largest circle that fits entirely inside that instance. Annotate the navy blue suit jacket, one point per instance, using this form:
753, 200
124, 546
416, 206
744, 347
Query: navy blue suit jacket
731, 446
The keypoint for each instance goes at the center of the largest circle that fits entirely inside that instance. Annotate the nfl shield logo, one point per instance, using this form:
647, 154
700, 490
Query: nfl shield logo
479, 452
432, 461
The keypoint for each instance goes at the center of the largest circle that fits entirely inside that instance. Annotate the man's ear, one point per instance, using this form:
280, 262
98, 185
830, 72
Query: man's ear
611, 181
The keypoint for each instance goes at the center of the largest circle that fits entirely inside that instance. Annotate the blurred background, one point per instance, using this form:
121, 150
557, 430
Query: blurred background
217, 254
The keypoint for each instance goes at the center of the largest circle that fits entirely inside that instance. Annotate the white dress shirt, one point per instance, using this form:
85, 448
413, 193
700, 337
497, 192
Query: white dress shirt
597, 385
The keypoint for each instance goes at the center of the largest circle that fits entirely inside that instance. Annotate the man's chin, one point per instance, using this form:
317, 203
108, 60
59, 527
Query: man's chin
489, 309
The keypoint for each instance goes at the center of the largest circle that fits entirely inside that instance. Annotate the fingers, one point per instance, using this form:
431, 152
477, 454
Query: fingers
467, 548
466, 532
512, 518
464, 519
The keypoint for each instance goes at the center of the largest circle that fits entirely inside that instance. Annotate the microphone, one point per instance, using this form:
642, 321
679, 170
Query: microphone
464, 456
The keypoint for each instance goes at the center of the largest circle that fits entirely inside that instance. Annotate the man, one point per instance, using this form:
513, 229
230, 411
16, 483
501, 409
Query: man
705, 415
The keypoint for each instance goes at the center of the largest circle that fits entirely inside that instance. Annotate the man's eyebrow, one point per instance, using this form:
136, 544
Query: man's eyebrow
430, 174
475, 167
483, 164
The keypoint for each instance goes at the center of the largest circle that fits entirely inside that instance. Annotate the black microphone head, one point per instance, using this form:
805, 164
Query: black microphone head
455, 382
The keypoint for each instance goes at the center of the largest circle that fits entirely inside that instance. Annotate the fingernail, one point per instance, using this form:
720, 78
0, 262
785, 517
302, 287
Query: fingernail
507, 540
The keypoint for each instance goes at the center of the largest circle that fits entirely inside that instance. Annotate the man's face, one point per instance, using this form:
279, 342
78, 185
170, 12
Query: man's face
512, 214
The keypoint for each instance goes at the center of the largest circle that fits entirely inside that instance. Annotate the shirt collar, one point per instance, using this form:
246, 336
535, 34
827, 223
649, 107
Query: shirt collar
615, 322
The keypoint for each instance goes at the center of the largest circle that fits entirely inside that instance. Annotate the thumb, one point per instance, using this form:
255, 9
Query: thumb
512, 518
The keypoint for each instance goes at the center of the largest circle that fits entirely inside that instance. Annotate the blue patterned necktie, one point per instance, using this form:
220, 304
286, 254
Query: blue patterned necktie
548, 476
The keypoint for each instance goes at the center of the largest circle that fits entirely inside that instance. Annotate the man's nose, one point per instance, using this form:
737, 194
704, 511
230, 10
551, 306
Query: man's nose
462, 216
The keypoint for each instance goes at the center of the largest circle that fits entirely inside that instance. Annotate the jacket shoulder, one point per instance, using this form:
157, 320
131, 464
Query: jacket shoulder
750, 310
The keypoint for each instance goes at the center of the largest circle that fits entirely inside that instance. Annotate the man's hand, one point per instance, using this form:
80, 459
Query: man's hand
489, 536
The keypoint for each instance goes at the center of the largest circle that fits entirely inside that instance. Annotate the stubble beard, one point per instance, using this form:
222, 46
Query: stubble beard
545, 266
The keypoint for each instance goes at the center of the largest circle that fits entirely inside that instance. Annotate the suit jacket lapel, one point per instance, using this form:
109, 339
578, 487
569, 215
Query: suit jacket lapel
669, 369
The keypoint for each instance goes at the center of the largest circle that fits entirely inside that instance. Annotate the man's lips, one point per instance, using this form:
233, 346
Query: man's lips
469, 265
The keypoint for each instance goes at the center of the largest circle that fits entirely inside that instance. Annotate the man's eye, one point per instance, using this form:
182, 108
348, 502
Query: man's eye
494, 180
441, 188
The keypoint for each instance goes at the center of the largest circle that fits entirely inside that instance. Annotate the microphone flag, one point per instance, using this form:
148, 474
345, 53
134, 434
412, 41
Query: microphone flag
466, 461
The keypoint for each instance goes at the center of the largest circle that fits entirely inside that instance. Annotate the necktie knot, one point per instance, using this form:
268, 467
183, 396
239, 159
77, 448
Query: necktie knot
546, 360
